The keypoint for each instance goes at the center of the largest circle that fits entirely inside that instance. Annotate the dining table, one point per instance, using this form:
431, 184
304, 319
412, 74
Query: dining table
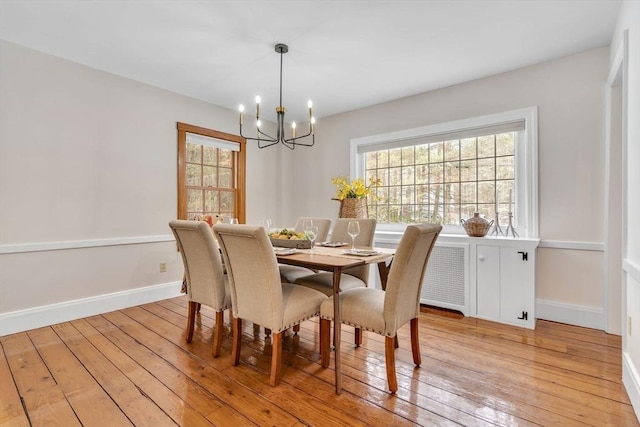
335, 260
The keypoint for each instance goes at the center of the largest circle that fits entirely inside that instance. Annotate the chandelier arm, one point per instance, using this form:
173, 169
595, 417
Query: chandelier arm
268, 137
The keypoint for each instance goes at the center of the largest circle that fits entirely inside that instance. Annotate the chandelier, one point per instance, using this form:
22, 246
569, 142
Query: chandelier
265, 140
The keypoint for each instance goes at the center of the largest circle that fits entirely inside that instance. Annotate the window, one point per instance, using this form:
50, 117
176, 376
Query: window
444, 173
211, 177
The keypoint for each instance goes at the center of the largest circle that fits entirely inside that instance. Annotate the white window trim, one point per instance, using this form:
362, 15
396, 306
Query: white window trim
526, 161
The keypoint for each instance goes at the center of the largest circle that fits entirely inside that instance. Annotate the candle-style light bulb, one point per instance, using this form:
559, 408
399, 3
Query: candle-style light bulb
313, 125
258, 123
309, 105
258, 106
241, 109
293, 129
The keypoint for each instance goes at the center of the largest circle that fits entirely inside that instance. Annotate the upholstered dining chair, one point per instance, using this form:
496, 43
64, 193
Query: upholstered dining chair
352, 277
385, 311
257, 294
204, 274
289, 273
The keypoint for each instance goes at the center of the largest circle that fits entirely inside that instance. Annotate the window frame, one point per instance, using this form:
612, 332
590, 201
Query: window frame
239, 159
526, 161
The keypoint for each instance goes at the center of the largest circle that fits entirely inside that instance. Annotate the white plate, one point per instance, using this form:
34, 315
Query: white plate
361, 252
285, 251
333, 244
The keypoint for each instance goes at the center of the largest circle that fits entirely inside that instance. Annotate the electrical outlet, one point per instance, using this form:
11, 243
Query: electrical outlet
163, 267
629, 325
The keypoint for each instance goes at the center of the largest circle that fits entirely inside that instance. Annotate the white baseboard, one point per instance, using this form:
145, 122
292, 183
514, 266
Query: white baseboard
631, 381
37, 317
571, 314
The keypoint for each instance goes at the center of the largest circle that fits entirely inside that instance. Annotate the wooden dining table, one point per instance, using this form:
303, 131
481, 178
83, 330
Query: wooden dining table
336, 260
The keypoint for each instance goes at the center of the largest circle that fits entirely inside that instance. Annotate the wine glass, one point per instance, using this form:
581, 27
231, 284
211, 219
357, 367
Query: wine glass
306, 224
312, 233
233, 220
266, 223
353, 229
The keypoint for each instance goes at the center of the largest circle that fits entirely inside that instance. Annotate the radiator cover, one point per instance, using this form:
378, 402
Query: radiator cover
446, 281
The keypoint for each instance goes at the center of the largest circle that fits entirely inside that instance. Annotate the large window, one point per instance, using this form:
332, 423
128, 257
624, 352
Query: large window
444, 173
211, 169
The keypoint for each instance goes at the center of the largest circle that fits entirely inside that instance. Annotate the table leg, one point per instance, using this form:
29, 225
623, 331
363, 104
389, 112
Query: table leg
337, 326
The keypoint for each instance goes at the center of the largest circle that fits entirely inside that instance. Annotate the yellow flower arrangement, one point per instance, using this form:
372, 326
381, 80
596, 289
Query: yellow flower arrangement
355, 189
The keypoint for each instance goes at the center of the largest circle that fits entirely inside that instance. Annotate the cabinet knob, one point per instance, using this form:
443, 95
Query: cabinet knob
480, 257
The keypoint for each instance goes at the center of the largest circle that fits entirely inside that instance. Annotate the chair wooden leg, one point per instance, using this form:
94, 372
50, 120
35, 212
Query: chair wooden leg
415, 342
296, 329
235, 347
276, 358
198, 307
390, 358
217, 333
191, 318
325, 339
267, 332
395, 342
357, 337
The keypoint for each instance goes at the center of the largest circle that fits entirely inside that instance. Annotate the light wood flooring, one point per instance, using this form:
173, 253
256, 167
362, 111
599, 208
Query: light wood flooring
133, 367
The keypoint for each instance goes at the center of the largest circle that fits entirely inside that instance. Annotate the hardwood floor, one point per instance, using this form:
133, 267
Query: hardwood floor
133, 367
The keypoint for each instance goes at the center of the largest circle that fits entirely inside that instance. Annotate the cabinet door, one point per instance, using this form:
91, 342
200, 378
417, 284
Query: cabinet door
488, 281
516, 286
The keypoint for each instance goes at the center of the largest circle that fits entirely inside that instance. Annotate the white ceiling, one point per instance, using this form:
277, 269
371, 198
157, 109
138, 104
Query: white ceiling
344, 55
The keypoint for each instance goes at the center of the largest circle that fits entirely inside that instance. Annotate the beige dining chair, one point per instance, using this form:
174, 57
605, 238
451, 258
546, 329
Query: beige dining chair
204, 274
350, 278
384, 312
257, 293
289, 273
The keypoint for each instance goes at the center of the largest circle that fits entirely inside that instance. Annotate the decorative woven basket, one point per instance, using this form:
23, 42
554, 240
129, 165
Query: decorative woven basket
353, 208
476, 226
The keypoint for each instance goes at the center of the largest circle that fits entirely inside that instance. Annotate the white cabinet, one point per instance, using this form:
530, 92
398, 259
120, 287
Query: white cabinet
505, 281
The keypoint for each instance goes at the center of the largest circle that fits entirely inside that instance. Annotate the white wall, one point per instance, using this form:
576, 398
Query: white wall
569, 93
88, 160
629, 26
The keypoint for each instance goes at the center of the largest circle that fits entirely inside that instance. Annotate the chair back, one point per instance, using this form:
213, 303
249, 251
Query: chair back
203, 268
323, 224
404, 284
365, 238
254, 278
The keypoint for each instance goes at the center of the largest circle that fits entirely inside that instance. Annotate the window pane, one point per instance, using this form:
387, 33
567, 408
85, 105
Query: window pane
225, 158
436, 152
452, 171
394, 195
486, 192
226, 201
506, 169
408, 177
422, 174
370, 160
194, 175
435, 174
194, 201
408, 195
468, 193
210, 176
452, 193
486, 146
395, 176
408, 156
468, 148
422, 154
383, 174
194, 153
395, 157
452, 150
225, 178
467, 170
486, 169
211, 201
422, 194
210, 155
383, 158
505, 144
